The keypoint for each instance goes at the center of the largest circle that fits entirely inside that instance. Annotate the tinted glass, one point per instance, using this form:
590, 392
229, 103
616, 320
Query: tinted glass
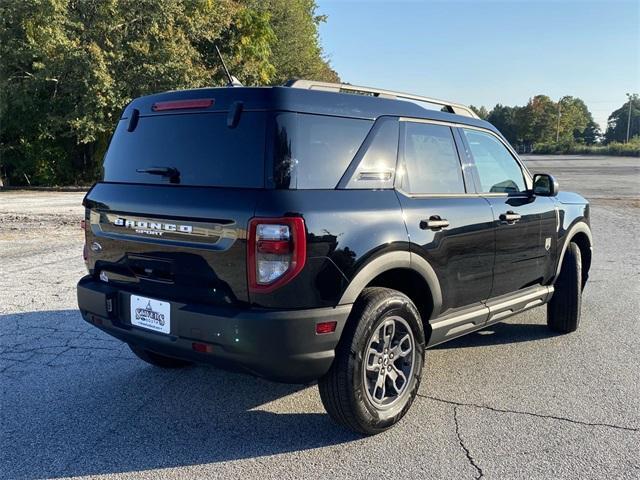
431, 163
201, 146
313, 151
497, 170
377, 167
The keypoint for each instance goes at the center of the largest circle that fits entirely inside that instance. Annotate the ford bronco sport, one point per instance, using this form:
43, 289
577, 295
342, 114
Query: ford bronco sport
322, 232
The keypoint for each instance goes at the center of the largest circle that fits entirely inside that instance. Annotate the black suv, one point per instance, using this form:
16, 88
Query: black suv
322, 232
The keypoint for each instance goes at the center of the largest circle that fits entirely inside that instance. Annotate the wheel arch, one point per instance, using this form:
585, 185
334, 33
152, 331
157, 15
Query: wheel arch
580, 234
409, 274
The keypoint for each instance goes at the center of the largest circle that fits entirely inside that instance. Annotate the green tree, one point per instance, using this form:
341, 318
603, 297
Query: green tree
68, 68
617, 122
591, 134
296, 51
504, 119
481, 111
542, 121
574, 117
536, 122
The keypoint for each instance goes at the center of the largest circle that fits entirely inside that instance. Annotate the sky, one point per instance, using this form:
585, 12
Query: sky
486, 52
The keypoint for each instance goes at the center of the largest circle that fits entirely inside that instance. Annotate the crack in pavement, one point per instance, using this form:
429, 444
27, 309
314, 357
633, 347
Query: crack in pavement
464, 447
65, 342
539, 415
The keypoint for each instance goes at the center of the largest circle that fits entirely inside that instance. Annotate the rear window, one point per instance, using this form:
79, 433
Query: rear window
313, 151
201, 146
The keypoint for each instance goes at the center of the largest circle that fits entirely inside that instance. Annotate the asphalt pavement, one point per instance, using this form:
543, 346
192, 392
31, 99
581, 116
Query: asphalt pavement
511, 401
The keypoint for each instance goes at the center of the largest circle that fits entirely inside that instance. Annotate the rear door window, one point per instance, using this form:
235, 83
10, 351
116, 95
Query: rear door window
200, 146
313, 151
431, 164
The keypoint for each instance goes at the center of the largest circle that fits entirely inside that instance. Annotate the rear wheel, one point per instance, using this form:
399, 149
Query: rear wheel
158, 360
376, 373
563, 311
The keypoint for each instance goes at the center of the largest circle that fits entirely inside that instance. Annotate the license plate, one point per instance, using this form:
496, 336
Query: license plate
151, 314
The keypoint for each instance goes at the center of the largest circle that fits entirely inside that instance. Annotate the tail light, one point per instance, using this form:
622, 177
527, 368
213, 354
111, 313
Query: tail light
277, 250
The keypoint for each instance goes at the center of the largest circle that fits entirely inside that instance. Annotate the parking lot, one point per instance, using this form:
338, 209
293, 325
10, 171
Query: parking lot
512, 401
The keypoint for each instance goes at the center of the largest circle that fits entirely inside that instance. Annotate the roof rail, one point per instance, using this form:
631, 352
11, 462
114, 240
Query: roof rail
377, 92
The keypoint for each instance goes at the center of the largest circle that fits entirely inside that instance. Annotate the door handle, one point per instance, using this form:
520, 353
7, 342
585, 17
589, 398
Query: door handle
434, 223
510, 217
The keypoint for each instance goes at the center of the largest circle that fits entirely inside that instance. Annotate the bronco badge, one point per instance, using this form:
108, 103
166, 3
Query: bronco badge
152, 228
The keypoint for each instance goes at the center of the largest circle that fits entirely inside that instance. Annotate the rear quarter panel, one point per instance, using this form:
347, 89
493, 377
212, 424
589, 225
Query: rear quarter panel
345, 230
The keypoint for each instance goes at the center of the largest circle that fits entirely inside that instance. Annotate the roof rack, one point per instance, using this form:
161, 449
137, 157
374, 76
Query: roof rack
377, 92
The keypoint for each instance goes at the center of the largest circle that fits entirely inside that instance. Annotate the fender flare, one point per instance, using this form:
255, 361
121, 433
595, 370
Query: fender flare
580, 227
390, 261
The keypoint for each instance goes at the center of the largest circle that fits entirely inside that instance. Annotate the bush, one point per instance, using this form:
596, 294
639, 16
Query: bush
631, 149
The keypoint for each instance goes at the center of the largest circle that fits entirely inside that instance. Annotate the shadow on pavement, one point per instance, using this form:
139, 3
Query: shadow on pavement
96, 409
74, 401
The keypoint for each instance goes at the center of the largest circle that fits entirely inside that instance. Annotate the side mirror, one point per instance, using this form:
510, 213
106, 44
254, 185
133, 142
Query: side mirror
545, 185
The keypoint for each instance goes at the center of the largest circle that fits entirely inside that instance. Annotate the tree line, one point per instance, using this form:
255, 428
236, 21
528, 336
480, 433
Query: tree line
69, 67
543, 122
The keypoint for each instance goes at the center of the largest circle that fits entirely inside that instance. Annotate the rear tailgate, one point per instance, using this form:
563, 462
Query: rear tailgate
179, 236
174, 243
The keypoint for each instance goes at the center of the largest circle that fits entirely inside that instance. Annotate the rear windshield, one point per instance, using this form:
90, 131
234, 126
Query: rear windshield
201, 146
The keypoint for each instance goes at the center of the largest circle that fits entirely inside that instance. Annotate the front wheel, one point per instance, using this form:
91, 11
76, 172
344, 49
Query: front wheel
376, 373
563, 311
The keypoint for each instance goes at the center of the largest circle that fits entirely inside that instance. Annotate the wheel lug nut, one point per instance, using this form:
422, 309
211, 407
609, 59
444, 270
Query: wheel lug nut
391, 355
389, 368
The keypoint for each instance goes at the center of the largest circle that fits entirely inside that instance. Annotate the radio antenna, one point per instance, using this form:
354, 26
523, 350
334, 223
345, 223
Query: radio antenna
232, 81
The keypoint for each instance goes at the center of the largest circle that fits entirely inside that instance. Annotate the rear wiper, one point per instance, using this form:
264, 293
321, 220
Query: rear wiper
172, 173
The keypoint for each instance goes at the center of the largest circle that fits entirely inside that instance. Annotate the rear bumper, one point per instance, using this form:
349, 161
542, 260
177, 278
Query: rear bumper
280, 345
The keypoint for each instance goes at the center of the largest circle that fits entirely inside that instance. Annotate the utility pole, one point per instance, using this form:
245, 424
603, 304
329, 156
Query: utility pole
558, 127
628, 117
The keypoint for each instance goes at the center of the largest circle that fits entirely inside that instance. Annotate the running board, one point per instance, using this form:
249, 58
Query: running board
460, 323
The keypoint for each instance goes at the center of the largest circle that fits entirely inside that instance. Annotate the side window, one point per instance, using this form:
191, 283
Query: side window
431, 163
313, 151
377, 157
498, 171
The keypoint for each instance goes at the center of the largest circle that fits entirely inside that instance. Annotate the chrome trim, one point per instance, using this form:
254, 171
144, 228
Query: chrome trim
208, 235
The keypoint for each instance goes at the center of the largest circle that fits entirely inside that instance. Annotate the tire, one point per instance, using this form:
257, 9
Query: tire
158, 360
563, 311
353, 394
